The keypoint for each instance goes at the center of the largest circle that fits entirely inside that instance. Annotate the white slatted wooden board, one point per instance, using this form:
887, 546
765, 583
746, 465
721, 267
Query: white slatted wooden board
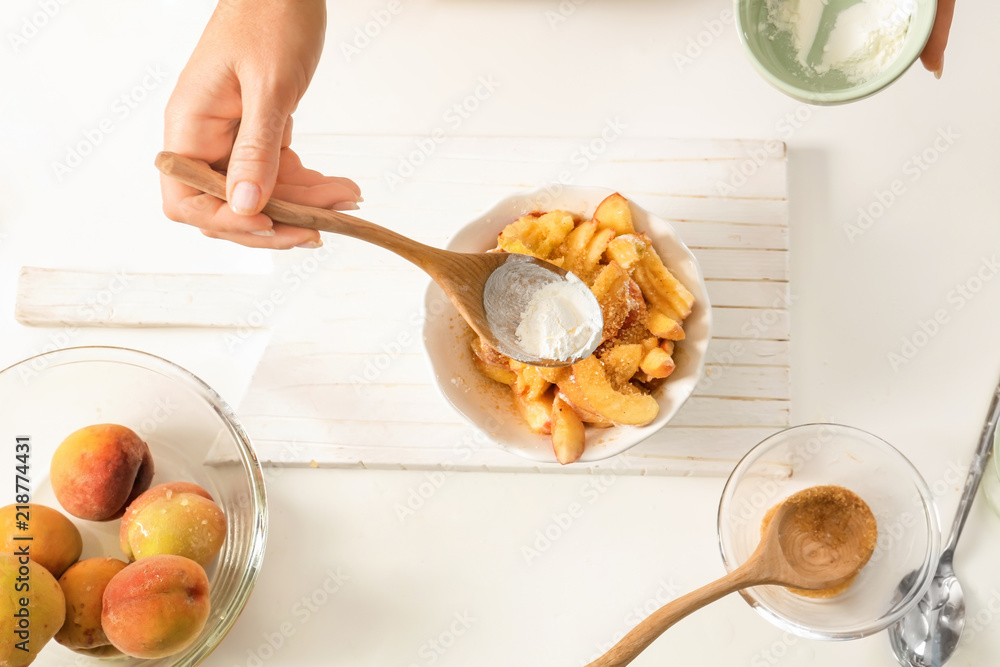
344, 381
49, 297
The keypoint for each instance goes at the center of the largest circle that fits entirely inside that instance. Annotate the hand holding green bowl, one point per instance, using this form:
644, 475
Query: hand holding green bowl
834, 51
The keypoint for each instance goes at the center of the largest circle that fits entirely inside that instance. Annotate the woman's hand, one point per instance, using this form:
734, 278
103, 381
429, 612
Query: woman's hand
232, 109
933, 54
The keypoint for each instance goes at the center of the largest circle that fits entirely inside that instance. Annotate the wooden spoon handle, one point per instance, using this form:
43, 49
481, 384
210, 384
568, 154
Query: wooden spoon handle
202, 177
654, 625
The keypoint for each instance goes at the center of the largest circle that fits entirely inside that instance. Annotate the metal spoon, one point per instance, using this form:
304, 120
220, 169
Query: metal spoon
928, 634
490, 290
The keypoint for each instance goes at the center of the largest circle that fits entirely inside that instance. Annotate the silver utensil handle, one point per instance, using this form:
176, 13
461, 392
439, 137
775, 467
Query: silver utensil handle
976, 470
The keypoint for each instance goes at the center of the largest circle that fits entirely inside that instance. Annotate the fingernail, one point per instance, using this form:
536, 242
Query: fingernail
244, 198
263, 232
938, 72
345, 206
312, 245
359, 199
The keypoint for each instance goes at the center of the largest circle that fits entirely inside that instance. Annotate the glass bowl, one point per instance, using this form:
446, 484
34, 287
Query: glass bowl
900, 569
488, 405
991, 478
193, 436
773, 54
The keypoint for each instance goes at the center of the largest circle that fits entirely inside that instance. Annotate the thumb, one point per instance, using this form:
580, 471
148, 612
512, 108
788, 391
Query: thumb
253, 163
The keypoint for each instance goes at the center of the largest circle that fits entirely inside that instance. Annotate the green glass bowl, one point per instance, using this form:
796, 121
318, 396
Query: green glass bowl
773, 55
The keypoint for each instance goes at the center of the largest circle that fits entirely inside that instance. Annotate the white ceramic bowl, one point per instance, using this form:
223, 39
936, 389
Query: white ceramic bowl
487, 404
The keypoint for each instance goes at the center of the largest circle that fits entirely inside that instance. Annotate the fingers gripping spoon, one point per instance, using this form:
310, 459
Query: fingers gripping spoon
490, 290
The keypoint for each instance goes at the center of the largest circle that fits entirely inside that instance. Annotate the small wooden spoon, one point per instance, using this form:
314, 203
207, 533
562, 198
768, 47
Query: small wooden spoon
817, 539
490, 290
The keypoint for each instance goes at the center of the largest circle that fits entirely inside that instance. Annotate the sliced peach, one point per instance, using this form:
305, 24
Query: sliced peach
589, 388
614, 213
568, 434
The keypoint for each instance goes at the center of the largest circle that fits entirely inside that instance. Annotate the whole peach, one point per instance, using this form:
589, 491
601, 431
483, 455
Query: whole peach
156, 606
55, 541
167, 489
32, 609
178, 518
83, 586
98, 470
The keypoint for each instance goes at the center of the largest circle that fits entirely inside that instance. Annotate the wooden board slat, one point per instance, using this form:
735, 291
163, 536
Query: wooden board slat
699, 235
744, 212
347, 148
53, 297
751, 352
748, 293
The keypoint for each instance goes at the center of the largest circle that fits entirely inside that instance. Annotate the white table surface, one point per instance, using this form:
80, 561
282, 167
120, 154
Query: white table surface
454, 574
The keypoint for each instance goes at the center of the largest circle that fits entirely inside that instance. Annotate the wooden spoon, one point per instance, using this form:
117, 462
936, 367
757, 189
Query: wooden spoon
490, 290
817, 539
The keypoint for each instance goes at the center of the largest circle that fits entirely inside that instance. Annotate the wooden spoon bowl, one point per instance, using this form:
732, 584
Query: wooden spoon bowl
826, 534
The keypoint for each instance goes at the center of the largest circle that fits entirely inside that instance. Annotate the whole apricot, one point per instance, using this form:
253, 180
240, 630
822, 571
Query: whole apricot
55, 541
178, 518
83, 586
156, 606
32, 609
98, 470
